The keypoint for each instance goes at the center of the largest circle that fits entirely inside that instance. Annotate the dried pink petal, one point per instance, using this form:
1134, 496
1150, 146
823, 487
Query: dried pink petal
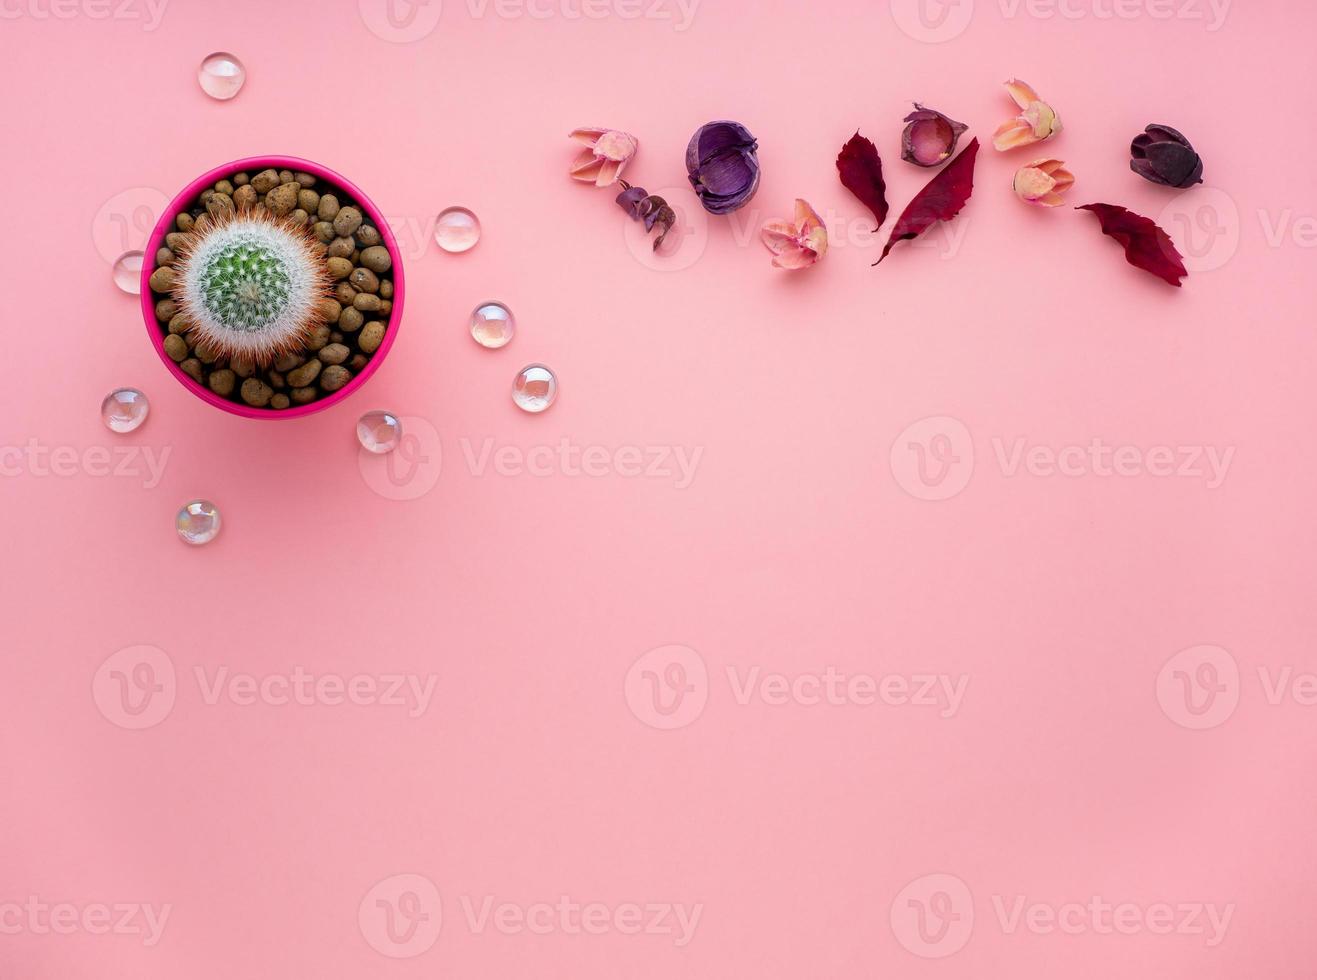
606, 155
1043, 182
1036, 121
796, 244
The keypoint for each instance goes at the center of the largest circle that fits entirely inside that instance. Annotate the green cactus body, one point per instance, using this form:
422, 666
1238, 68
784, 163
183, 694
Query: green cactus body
250, 287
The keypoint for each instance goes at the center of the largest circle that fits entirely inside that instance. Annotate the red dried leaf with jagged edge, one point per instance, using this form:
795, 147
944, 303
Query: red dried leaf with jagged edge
1146, 245
940, 200
862, 174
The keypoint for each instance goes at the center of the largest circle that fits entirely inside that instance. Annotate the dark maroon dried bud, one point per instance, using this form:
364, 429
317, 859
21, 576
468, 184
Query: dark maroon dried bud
722, 165
649, 208
930, 137
1164, 156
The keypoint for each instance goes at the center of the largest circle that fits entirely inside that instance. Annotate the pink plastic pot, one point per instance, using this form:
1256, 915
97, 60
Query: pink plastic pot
254, 165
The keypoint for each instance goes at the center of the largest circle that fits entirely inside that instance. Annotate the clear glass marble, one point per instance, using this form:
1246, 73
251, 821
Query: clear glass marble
492, 325
535, 388
198, 522
124, 409
457, 230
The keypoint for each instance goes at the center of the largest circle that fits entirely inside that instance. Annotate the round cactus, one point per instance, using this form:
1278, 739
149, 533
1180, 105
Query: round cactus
250, 285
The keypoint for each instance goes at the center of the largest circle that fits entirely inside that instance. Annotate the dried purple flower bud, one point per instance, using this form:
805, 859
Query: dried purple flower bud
930, 137
649, 208
1164, 156
722, 166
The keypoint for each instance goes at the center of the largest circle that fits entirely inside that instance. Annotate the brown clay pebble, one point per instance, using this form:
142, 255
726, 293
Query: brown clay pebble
386, 307
304, 375
224, 187
342, 248
336, 338
220, 204
240, 179
334, 354
175, 240
163, 256
350, 320
308, 200
329, 308
305, 179
376, 258
287, 177
338, 268
192, 368
176, 347
364, 280
358, 362
165, 310
221, 382
287, 362
162, 280
245, 196
276, 379
372, 335
344, 293
256, 393
347, 221
205, 196
179, 324
282, 199
328, 208
242, 367
386, 289
299, 218
367, 302
368, 235
303, 395
323, 231
279, 401
334, 377
266, 181
318, 339
206, 355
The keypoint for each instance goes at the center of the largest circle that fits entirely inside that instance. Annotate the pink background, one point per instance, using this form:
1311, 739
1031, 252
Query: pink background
540, 768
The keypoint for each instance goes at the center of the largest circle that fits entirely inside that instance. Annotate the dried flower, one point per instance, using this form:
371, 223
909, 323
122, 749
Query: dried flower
1164, 156
607, 154
798, 244
1043, 182
722, 166
649, 208
1036, 122
930, 137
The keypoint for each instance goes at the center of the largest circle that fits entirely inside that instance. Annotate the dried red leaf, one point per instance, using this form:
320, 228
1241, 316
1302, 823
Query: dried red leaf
1146, 245
940, 200
862, 174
